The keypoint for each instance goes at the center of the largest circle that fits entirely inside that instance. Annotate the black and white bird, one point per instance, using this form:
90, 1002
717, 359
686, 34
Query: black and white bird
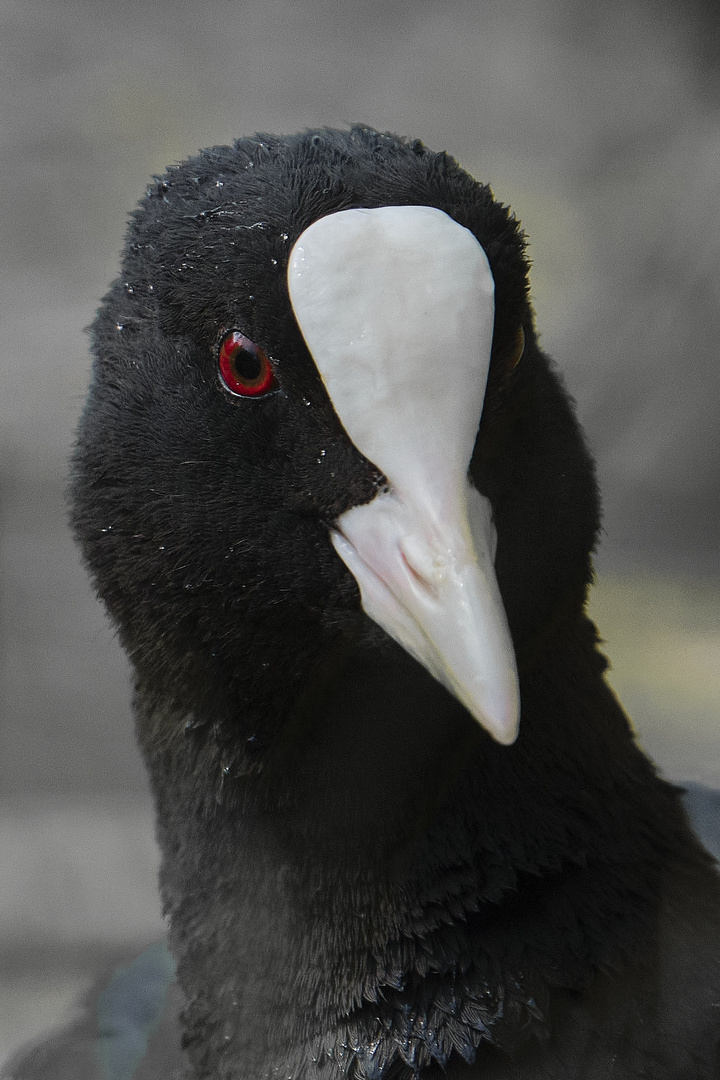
337, 503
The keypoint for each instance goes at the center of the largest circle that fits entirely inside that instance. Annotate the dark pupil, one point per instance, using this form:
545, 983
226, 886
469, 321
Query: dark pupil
247, 365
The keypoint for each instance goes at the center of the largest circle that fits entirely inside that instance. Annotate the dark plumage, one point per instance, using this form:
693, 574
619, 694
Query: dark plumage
360, 882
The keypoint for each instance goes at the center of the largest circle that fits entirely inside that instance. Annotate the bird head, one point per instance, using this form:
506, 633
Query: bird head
319, 408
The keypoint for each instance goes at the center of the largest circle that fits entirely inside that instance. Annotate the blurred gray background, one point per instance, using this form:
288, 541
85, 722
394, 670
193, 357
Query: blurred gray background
599, 123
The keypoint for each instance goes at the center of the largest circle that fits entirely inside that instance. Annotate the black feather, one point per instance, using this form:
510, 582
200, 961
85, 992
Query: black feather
359, 881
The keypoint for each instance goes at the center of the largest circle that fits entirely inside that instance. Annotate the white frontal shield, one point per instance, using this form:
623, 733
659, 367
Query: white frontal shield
396, 307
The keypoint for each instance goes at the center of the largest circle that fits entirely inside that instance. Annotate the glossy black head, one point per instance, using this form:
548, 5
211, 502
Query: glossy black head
203, 513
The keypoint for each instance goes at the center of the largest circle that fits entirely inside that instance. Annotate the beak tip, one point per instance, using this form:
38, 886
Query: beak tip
501, 719
505, 734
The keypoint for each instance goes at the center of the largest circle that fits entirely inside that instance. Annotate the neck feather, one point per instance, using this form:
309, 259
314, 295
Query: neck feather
368, 893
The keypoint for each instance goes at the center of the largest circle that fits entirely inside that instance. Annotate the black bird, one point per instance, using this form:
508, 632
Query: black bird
336, 501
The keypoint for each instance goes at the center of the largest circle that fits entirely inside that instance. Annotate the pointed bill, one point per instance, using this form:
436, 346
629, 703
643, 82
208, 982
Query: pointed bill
396, 306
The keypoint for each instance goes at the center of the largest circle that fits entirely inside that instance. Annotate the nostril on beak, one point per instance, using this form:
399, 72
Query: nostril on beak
425, 583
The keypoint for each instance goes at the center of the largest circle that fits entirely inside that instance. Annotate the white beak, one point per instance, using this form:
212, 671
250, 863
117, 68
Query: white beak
396, 306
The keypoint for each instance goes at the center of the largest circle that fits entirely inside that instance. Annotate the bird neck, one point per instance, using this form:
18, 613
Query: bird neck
381, 882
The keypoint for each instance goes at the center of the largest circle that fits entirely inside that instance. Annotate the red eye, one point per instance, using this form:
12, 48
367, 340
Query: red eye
244, 368
518, 348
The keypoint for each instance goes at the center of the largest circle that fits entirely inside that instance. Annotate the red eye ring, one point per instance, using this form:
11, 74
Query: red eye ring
244, 367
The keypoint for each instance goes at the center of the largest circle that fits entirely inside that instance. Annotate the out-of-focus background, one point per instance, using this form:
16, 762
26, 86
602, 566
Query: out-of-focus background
599, 123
